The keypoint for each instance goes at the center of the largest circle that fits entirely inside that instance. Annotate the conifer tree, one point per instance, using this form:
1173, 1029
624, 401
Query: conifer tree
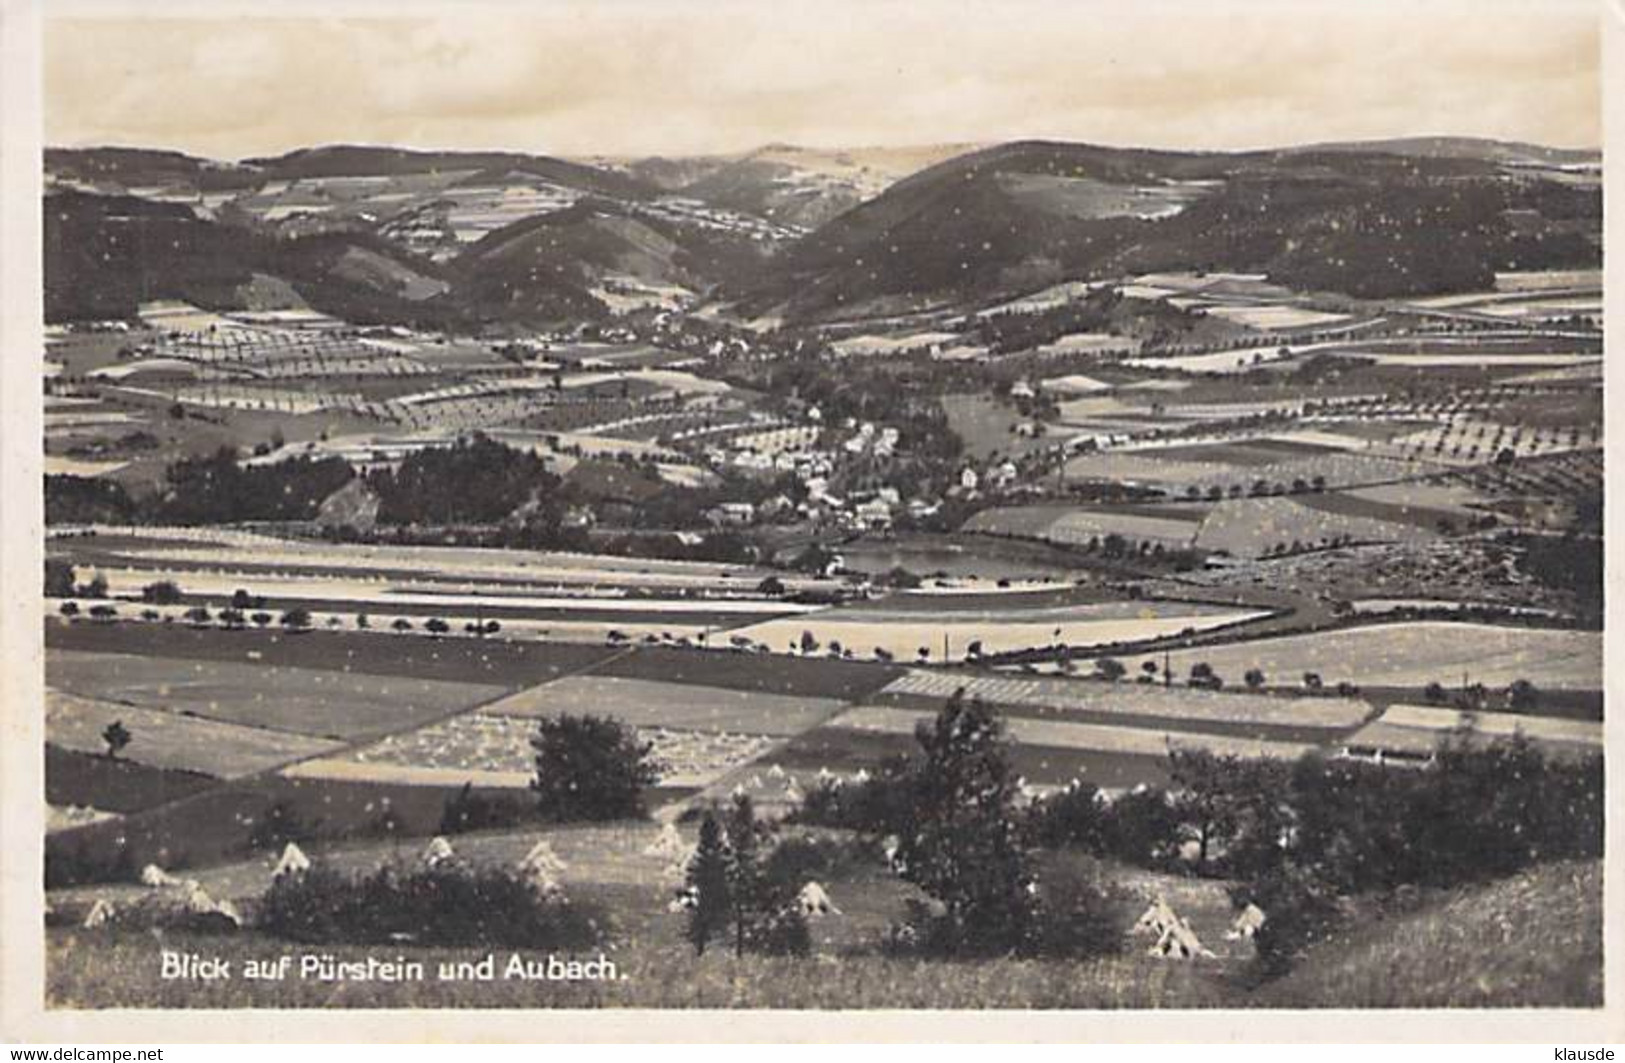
707, 883
746, 887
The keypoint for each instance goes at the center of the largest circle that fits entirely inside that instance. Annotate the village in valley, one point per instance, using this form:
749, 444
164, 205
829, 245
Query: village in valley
1178, 574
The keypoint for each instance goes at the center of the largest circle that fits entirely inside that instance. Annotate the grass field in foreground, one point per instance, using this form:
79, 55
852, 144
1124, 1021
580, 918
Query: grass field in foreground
1533, 940
1529, 941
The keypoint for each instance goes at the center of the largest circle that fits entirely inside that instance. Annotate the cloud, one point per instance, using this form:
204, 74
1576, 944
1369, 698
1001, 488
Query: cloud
634, 76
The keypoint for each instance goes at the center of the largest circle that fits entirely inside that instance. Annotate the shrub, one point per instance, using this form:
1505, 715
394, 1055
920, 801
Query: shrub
446, 906
279, 825
795, 861
467, 810
58, 579
1141, 828
879, 805
1082, 916
162, 592
1075, 816
591, 768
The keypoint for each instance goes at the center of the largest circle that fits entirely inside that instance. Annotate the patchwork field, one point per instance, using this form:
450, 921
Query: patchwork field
644, 703
163, 739
1415, 730
1413, 655
1178, 470
1075, 526
905, 636
1130, 701
1252, 527
307, 701
496, 751
847, 751
1133, 741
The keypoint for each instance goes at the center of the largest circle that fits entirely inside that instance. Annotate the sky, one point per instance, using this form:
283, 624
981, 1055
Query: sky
675, 77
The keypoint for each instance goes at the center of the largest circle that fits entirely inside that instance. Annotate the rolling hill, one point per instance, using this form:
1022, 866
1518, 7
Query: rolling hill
533, 238
1024, 214
804, 188
105, 255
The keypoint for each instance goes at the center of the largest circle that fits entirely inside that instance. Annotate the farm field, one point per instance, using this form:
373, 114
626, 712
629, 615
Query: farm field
845, 751
494, 662
1413, 655
1128, 701
163, 739
154, 547
1251, 527
1460, 568
1443, 498
958, 558
1013, 607
345, 595
1055, 734
306, 701
1146, 465
1081, 626
645, 703
1077, 526
799, 677
1416, 730
87, 780
496, 751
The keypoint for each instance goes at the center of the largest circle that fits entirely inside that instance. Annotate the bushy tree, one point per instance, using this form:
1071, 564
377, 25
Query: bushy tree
1141, 827
117, 736
964, 847
161, 592
591, 768
58, 578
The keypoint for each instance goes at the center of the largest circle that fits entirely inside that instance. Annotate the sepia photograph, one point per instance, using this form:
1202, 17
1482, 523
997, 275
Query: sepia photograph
900, 507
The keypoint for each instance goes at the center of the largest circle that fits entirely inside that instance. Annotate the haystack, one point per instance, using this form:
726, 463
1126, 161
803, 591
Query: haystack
438, 852
1247, 924
1179, 942
814, 902
156, 877
293, 862
101, 913
1157, 919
